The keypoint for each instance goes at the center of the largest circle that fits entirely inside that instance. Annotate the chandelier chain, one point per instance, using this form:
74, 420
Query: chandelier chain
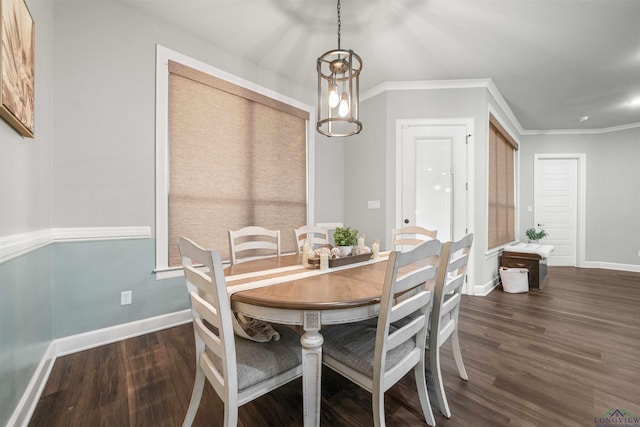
339, 24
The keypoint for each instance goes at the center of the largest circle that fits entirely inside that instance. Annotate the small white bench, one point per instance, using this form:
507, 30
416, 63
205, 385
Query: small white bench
530, 256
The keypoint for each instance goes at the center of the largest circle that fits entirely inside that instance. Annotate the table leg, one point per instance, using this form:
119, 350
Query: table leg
311, 342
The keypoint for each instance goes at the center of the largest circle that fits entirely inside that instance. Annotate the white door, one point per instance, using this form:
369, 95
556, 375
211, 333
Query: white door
556, 206
434, 179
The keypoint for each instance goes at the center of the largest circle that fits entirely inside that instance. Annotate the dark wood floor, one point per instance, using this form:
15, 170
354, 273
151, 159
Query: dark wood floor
556, 358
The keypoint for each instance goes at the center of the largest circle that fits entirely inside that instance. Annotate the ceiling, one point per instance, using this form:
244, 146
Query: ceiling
554, 61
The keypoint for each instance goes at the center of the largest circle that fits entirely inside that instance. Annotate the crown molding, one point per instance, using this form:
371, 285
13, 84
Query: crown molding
486, 83
581, 131
504, 106
424, 85
493, 90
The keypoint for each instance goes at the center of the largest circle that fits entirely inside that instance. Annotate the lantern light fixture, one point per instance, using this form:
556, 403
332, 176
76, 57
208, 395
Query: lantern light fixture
338, 90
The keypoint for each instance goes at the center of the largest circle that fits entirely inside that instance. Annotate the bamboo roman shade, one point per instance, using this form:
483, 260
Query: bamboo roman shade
236, 158
502, 210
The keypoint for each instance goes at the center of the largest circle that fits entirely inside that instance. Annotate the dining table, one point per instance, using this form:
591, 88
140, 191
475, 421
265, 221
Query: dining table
284, 291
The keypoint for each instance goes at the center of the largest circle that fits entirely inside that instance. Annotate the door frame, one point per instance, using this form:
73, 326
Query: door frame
469, 122
581, 195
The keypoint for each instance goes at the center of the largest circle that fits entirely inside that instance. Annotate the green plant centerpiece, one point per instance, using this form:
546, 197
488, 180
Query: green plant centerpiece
345, 238
535, 234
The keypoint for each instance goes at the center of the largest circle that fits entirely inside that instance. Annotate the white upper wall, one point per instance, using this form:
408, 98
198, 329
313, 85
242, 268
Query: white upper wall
25, 163
104, 113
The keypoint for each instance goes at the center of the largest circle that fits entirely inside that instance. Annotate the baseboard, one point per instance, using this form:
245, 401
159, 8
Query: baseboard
91, 339
23, 412
611, 266
484, 290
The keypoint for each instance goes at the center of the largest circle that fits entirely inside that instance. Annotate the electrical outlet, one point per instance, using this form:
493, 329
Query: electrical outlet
638, 254
125, 298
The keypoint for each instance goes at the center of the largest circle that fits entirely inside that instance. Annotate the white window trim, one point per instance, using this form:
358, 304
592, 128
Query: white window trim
163, 55
516, 179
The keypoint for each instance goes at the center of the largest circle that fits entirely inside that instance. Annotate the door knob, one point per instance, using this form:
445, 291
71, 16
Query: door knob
406, 221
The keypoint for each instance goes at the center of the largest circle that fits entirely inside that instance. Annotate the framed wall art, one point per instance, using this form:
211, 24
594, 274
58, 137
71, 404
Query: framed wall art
17, 60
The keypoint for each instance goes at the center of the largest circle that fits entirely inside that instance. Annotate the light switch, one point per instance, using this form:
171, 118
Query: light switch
529, 208
373, 204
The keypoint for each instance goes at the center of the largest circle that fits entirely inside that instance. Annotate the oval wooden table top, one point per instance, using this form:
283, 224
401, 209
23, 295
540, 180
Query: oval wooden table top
345, 288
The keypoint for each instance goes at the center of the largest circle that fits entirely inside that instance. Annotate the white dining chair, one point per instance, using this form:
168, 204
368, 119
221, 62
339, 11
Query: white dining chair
331, 227
444, 317
377, 357
316, 236
239, 370
412, 235
253, 242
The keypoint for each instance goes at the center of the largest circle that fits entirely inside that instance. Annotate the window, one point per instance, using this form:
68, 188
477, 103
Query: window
234, 155
502, 210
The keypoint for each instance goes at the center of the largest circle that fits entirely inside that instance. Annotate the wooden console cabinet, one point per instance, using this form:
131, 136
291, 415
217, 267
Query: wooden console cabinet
536, 264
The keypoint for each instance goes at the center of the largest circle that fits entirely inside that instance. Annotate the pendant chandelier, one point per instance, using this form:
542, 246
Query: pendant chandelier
338, 77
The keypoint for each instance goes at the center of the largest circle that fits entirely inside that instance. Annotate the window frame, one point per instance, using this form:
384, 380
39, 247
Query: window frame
493, 117
163, 55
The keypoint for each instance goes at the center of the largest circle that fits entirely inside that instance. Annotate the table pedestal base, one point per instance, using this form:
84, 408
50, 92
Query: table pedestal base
311, 342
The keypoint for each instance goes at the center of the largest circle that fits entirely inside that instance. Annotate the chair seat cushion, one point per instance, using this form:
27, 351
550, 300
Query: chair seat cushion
258, 362
353, 345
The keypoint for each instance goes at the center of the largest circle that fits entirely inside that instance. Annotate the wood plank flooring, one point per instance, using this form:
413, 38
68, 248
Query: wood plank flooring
560, 357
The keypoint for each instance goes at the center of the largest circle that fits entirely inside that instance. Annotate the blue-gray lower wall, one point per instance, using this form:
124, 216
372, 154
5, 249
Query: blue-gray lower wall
25, 323
89, 276
69, 288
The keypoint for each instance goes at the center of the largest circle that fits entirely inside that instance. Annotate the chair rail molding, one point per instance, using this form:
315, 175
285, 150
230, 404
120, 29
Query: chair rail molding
19, 244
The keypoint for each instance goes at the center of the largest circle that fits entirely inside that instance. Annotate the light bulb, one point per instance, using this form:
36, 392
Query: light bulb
334, 98
343, 110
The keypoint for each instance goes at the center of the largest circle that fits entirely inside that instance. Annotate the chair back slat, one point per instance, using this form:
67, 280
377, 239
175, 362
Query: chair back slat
453, 283
317, 236
253, 242
459, 262
205, 311
410, 236
406, 332
450, 304
256, 245
396, 372
198, 280
446, 328
212, 373
420, 274
409, 305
